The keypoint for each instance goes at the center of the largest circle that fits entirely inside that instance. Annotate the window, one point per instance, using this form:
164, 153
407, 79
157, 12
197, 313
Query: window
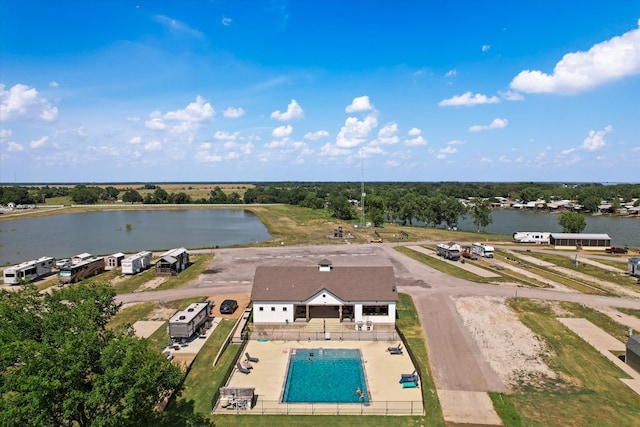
260, 308
273, 309
375, 310
284, 308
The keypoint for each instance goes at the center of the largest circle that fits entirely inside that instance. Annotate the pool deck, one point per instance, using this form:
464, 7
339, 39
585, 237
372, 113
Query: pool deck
383, 371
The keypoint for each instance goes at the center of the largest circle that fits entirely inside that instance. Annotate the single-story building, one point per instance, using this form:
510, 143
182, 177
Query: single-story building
632, 352
365, 296
172, 262
634, 267
578, 241
113, 261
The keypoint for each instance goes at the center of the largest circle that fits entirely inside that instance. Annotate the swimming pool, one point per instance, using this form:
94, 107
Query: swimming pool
325, 376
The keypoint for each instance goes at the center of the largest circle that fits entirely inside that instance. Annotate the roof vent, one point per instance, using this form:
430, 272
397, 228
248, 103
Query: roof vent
182, 317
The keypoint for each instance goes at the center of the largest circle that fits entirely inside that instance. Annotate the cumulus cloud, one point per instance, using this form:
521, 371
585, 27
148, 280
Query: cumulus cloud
389, 134
449, 149
330, 150
282, 132
153, 146
194, 112
495, 124
5, 133
226, 136
451, 73
14, 147
135, 140
510, 95
53, 84
22, 102
607, 61
226, 21
486, 47
359, 104
37, 143
314, 136
233, 113
356, 132
468, 99
294, 111
417, 139
595, 140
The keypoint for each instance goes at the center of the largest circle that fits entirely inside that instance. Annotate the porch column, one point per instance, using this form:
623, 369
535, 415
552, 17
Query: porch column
340, 312
307, 314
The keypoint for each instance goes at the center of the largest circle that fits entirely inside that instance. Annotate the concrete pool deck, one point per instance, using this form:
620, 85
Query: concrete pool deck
382, 369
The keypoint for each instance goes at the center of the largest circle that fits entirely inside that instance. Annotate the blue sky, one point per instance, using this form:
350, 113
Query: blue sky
116, 91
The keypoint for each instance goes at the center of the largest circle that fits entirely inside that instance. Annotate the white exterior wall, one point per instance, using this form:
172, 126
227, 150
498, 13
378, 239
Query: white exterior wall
359, 317
273, 312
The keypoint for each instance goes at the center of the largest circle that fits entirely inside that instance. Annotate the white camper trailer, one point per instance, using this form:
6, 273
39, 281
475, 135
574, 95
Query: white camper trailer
29, 270
536, 237
482, 250
134, 264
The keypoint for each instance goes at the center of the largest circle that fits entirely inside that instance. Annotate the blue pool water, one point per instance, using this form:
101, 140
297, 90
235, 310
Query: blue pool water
325, 376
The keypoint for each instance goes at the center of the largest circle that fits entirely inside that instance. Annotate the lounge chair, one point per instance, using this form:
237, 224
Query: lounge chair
411, 375
413, 379
395, 350
242, 369
252, 359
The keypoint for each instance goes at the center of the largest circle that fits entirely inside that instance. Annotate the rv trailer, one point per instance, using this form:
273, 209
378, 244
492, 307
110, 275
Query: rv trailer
185, 323
482, 250
81, 270
29, 270
134, 264
536, 237
449, 250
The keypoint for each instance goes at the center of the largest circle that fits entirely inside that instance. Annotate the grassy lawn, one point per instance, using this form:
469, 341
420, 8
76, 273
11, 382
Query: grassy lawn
198, 262
203, 380
587, 391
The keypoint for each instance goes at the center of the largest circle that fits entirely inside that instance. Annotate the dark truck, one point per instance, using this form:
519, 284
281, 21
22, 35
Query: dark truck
616, 250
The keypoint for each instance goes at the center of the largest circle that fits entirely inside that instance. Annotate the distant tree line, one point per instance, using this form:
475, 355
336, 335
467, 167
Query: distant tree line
431, 203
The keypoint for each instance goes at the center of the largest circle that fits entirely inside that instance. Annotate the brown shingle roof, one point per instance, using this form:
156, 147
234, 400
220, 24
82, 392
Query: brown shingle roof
298, 284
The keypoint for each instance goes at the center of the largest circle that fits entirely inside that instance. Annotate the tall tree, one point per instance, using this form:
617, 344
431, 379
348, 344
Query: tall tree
61, 366
572, 222
481, 214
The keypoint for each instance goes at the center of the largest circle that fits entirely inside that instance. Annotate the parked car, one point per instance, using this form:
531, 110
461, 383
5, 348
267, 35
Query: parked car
616, 250
469, 255
228, 306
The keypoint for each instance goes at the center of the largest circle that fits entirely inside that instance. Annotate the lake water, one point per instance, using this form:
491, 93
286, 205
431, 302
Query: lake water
623, 231
105, 232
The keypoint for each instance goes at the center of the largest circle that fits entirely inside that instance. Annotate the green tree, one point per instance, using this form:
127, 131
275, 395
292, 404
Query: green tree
481, 214
61, 366
84, 195
591, 203
131, 196
340, 207
111, 193
572, 222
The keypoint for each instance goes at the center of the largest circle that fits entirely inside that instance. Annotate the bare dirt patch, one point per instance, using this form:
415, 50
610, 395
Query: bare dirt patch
151, 284
512, 350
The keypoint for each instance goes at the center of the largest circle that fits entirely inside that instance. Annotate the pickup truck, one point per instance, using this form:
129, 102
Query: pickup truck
616, 250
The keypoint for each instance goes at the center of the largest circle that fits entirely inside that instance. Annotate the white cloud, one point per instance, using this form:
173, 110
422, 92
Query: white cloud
567, 151
595, 140
37, 143
495, 124
226, 21
153, 146
511, 95
197, 111
294, 111
23, 103
282, 132
314, 136
451, 73
155, 121
225, 136
135, 140
5, 133
53, 84
177, 26
330, 150
486, 47
417, 139
468, 99
233, 113
14, 147
389, 134
449, 149
359, 104
607, 61
356, 132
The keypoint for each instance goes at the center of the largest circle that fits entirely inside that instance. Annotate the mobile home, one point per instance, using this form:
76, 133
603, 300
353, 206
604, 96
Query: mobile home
172, 262
29, 270
186, 323
134, 264
113, 261
482, 250
81, 270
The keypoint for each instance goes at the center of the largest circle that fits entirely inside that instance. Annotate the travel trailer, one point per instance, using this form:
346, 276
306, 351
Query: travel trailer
134, 264
29, 270
482, 250
536, 237
81, 270
449, 250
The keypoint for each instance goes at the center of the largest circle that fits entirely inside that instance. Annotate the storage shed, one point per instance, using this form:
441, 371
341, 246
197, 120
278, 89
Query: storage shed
113, 261
634, 267
632, 353
578, 241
